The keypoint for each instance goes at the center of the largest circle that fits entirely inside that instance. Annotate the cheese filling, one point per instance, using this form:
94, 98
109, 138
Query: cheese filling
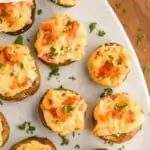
66, 2
61, 39
34, 145
64, 111
117, 114
109, 65
1, 131
15, 16
17, 69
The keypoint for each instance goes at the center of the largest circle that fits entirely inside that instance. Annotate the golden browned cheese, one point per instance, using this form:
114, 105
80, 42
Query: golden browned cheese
63, 111
109, 65
1, 131
66, 2
34, 145
117, 114
15, 16
61, 39
17, 69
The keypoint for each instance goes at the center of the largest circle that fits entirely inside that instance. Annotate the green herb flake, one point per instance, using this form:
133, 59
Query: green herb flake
145, 70
119, 108
73, 134
101, 33
139, 40
39, 11
111, 57
61, 87
108, 142
54, 72
1, 102
107, 91
53, 51
21, 65
62, 48
72, 78
77, 146
66, 109
26, 126
1, 66
11, 74
65, 141
118, 6
19, 40
92, 26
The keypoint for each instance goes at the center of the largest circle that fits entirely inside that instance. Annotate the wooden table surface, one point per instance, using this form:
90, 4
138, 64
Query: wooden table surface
135, 16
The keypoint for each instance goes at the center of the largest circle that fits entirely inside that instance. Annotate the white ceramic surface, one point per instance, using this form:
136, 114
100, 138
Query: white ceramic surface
87, 11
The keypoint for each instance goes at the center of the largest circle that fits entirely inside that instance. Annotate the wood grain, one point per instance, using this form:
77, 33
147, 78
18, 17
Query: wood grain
135, 16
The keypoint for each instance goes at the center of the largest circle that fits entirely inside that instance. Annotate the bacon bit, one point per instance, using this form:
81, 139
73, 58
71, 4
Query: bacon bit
25, 82
11, 58
50, 33
115, 114
107, 70
70, 101
53, 112
73, 27
130, 117
48, 58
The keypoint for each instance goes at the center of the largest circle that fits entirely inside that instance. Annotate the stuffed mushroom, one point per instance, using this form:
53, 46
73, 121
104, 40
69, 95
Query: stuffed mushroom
34, 143
109, 65
63, 111
17, 17
117, 118
61, 40
4, 130
19, 75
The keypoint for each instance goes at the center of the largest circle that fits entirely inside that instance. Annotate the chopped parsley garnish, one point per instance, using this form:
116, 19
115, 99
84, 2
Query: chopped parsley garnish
62, 48
139, 39
53, 51
119, 108
26, 126
92, 26
111, 57
121, 148
145, 70
68, 23
39, 11
1, 66
73, 134
61, 87
54, 72
77, 146
107, 91
1, 102
118, 5
65, 141
108, 142
11, 74
21, 65
19, 40
101, 33
66, 109
72, 78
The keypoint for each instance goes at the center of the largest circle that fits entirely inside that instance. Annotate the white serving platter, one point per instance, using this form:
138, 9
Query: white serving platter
87, 11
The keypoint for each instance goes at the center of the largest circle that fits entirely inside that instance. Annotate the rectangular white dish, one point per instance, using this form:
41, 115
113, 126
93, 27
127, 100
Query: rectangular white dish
86, 12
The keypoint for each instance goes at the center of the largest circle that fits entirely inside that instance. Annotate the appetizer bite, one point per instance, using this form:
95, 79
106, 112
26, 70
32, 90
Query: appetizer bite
34, 143
117, 118
61, 40
4, 130
66, 3
63, 111
17, 17
19, 75
109, 65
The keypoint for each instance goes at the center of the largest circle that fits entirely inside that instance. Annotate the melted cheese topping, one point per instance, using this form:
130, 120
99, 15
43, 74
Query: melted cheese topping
109, 65
1, 131
17, 69
117, 114
66, 2
61, 39
64, 111
15, 16
34, 145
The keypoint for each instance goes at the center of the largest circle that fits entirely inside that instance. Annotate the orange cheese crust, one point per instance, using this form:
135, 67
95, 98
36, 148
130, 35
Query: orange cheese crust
117, 114
61, 39
63, 111
17, 69
15, 16
109, 65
